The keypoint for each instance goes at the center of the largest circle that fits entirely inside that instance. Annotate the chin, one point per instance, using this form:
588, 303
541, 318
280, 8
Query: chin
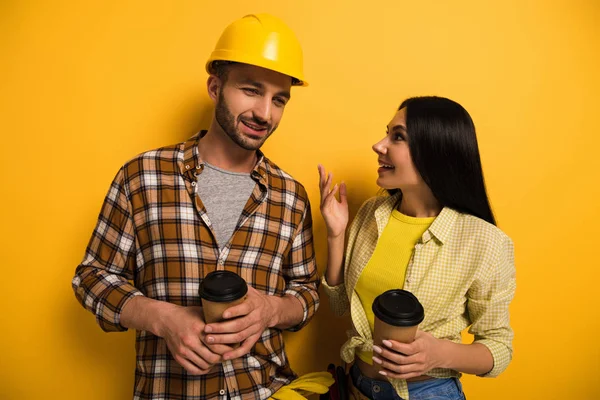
387, 185
381, 183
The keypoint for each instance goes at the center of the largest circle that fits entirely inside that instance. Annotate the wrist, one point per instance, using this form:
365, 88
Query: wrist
334, 278
159, 314
444, 351
274, 305
336, 238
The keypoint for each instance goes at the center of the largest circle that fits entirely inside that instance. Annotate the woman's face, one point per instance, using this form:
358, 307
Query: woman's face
396, 169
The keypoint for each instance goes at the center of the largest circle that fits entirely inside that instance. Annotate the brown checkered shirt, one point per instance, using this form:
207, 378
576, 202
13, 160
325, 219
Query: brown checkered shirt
153, 238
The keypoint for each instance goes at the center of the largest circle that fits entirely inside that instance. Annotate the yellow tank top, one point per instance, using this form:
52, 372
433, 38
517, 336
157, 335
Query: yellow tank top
387, 267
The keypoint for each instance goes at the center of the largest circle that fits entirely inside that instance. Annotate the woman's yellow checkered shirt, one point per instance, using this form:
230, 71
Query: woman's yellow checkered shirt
462, 271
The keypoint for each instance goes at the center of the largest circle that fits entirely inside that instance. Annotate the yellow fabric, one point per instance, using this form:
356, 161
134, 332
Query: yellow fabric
314, 382
462, 272
387, 266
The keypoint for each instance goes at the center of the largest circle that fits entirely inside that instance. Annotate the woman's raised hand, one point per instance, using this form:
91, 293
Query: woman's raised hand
334, 211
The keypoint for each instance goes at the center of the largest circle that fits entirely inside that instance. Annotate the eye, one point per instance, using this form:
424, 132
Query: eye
251, 91
398, 137
279, 101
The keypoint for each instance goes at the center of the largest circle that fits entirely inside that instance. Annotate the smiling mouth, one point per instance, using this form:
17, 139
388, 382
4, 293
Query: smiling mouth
255, 128
386, 166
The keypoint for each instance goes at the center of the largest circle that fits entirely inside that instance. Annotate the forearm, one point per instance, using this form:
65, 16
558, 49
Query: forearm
472, 358
335, 259
287, 311
145, 314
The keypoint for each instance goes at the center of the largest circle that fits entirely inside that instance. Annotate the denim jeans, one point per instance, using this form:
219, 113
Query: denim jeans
432, 389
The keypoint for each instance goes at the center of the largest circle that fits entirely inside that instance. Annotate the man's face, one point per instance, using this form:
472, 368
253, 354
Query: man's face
250, 104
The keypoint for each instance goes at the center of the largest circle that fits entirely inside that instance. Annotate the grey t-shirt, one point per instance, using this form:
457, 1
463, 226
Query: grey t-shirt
224, 195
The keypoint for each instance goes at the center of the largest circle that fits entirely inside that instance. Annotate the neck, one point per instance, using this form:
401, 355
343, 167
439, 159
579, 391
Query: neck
419, 203
219, 150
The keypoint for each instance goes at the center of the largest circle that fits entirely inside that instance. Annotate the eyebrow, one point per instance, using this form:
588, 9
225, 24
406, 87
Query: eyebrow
258, 85
401, 128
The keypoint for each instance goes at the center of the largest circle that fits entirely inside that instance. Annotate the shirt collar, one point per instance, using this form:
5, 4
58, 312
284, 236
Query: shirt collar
191, 159
191, 162
440, 228
383, 212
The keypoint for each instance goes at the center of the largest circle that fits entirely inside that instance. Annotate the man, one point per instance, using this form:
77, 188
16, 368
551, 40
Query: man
214, 202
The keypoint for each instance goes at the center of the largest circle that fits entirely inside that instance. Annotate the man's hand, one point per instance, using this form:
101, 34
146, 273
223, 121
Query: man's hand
182, 328
246, 323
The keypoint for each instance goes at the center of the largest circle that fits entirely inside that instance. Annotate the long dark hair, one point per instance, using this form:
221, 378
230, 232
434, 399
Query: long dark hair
443, 147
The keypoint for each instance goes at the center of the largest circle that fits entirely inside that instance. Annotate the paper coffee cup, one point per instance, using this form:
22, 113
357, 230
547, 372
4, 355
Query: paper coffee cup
220, 290
398, 314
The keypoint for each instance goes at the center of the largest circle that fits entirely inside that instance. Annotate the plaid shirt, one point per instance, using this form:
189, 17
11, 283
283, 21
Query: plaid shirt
153, 230
462, 271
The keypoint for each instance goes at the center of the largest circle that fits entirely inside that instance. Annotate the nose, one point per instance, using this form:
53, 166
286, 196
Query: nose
380, 147
262, 110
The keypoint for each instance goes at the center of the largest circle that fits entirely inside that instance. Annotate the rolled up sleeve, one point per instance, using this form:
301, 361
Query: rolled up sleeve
300, 270
102, 281
488, 306
338, 299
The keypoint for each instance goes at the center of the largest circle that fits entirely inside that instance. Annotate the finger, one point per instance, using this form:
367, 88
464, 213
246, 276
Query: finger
231, 313
239, 310
244, 348
331, 195
321, 177
190, 367
202, 358
402, 348
199, 354
326, 188
209, 356
329, 181
343, 194
231, 338
231, 325
219, 349
194, 350
390, 365
391, 374
389, 355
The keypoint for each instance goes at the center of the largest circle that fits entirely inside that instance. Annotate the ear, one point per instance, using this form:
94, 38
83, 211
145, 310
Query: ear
213, 85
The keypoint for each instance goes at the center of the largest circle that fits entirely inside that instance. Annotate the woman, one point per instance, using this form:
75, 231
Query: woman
432, 234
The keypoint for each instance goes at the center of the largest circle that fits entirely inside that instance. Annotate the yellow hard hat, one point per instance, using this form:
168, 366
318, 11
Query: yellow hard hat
262, 40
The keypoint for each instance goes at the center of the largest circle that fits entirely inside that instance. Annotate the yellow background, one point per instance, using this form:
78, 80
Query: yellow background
86, 85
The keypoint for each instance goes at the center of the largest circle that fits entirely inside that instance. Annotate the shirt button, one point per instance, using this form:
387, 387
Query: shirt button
187, 167
221, 262
222, 392
376, 388
193, 183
